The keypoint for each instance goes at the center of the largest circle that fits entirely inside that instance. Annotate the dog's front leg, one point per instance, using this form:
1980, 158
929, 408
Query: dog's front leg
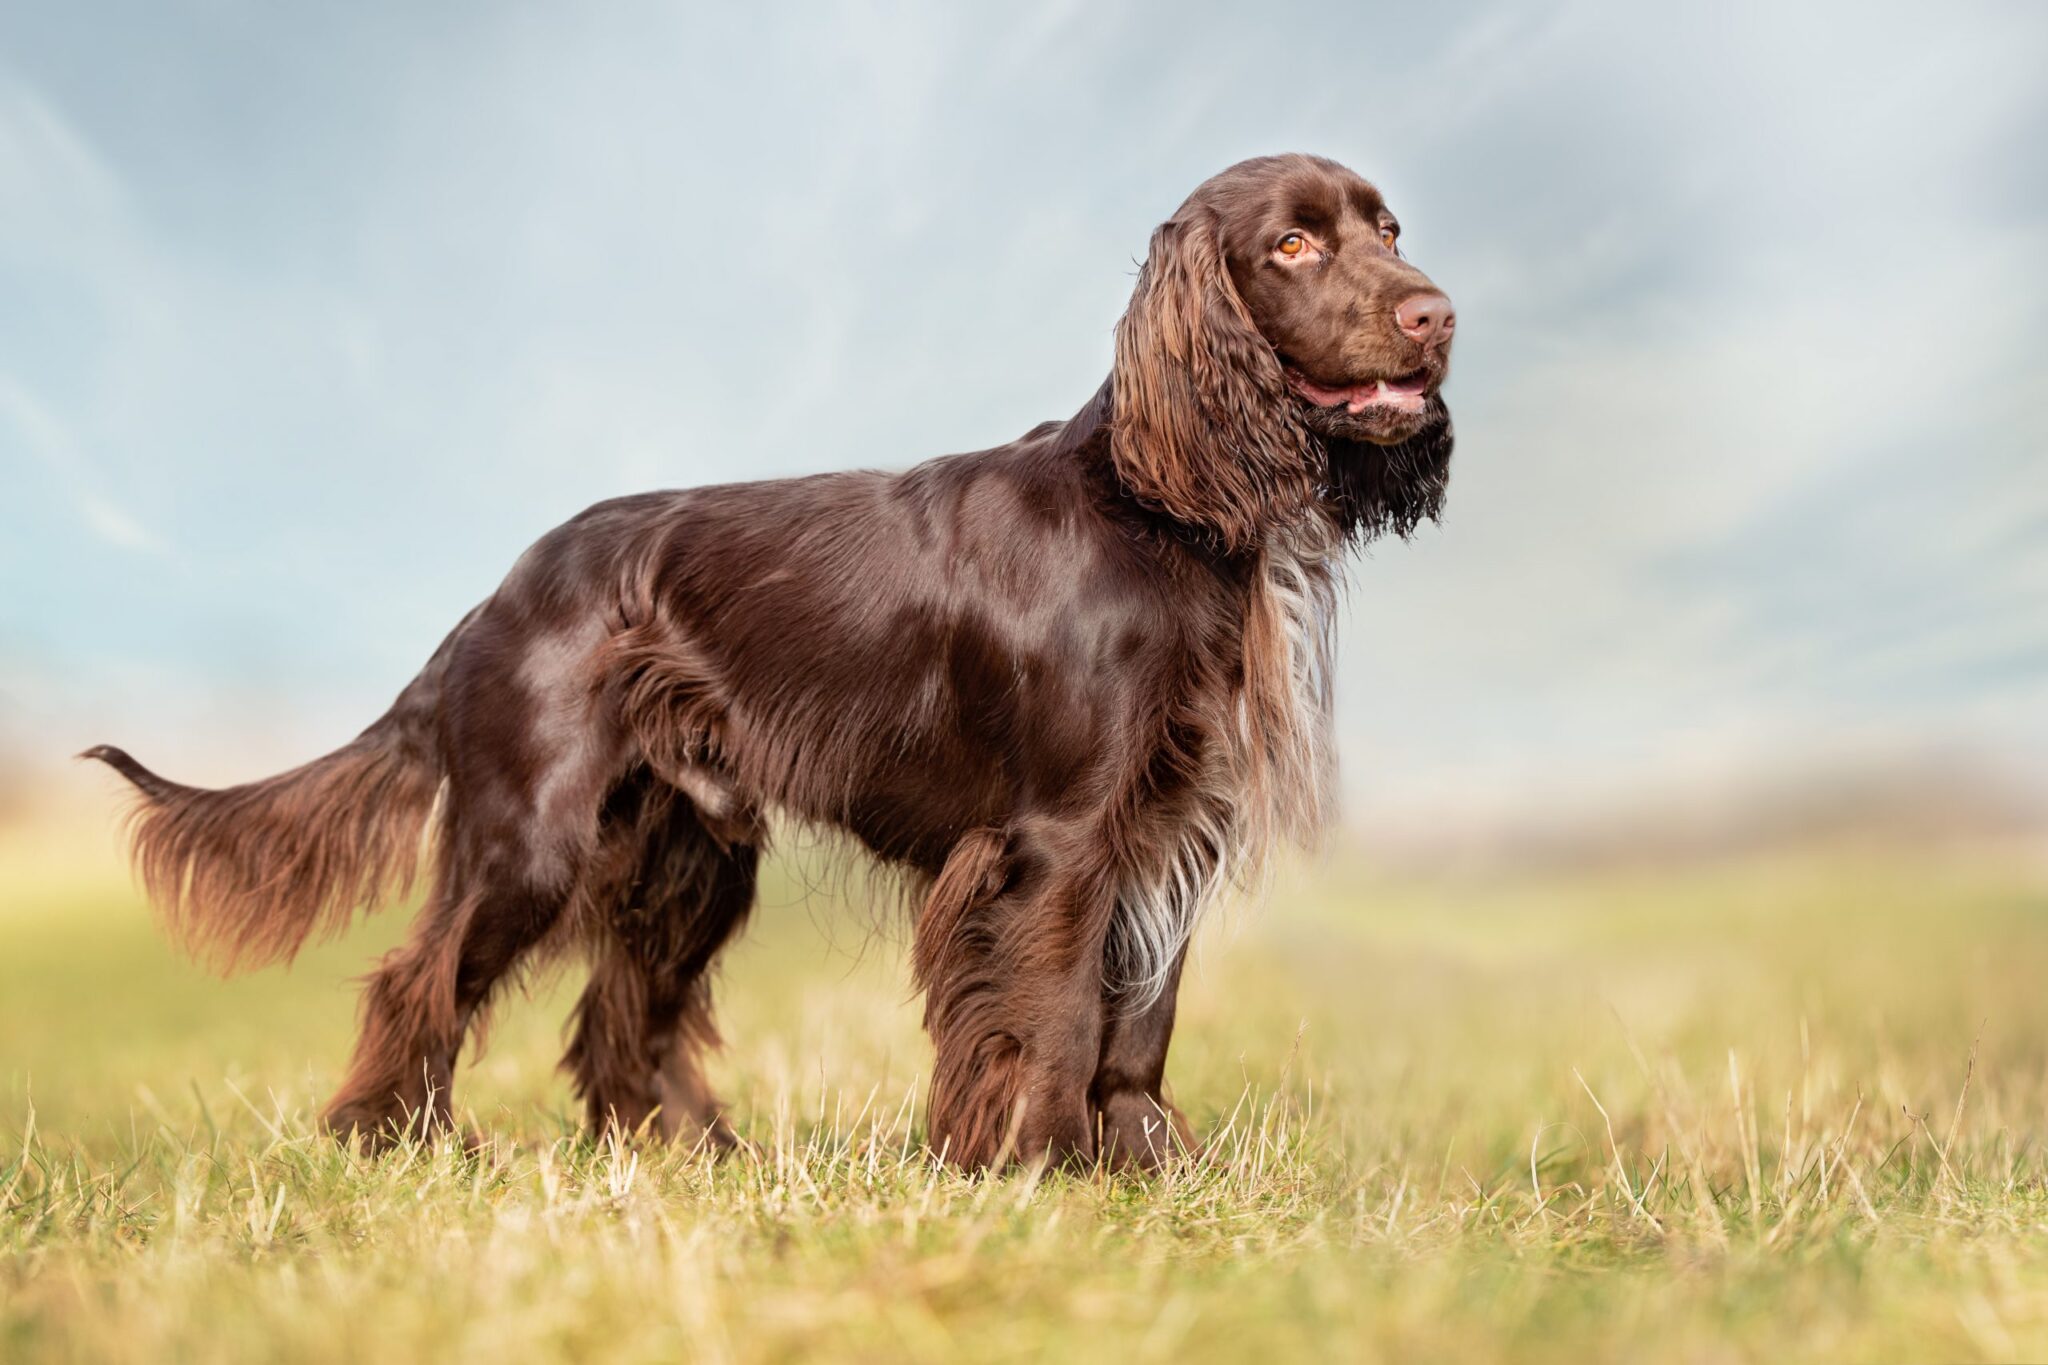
1136, 1124
1059, 994
1010, 955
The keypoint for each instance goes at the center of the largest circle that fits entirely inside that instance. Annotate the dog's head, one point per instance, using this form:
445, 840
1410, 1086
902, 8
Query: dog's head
1279, 349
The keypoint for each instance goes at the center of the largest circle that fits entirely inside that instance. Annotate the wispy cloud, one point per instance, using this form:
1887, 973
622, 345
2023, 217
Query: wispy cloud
38, 433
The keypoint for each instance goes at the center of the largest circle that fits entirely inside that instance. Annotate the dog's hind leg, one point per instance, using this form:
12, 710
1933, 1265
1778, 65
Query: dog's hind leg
399, 1079
645, 1021
426, 996
532, 753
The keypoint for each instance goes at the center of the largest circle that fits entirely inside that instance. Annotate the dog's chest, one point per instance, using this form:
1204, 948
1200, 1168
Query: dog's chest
1290, 767
1267, 781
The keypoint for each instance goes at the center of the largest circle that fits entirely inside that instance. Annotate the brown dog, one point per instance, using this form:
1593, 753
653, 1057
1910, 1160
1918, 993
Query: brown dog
1069, 686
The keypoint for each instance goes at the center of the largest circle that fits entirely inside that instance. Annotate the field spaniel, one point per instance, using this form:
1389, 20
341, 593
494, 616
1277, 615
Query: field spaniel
1069, 688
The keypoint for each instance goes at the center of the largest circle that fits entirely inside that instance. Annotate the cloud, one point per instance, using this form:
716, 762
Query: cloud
116, 527
52, 182
44, 436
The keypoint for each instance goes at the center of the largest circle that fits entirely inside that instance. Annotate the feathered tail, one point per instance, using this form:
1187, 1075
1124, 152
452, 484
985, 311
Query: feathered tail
246, 876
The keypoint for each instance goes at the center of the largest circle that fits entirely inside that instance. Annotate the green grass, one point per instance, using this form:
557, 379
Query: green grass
1824, 1081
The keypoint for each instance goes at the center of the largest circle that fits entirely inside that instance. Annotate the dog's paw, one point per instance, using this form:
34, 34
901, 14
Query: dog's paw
1143, 1132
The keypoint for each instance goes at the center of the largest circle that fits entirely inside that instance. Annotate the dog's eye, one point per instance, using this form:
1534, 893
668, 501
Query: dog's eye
1293, 244
1387, 237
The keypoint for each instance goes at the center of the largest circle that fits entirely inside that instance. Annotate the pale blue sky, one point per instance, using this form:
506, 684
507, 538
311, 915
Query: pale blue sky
311, 317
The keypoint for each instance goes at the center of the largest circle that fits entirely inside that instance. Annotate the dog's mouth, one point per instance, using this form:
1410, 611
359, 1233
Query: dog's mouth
1401, 393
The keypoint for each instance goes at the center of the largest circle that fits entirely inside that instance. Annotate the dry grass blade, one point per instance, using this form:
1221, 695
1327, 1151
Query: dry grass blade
1614, 1151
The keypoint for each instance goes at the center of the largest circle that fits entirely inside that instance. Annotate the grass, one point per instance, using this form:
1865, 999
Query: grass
1776, 1108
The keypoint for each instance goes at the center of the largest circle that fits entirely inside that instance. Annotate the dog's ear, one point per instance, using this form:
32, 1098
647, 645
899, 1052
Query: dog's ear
1204, 429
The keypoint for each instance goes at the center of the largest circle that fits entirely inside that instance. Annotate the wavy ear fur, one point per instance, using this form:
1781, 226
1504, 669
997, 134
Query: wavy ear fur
1204, 429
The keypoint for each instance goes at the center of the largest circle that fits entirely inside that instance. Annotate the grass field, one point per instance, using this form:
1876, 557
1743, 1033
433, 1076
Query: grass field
1777, 1108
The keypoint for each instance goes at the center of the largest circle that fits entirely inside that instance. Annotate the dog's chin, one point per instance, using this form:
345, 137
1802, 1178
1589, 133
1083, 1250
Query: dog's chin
1380, 426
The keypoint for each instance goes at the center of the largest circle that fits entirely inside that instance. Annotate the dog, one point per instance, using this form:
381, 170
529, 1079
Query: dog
1068, 688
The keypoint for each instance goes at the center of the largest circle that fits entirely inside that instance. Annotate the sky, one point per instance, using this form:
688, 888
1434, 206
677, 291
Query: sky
312, 317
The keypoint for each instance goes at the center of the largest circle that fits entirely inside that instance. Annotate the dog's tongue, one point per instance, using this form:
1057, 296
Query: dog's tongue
1399, 393
1353, 398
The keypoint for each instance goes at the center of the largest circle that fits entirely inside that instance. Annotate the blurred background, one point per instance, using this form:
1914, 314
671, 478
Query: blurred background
312, 319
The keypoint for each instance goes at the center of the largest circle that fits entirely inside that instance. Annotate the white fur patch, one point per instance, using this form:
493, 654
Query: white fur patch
1239, 811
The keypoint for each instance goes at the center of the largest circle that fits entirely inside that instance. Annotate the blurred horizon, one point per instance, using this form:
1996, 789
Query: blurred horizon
311, 321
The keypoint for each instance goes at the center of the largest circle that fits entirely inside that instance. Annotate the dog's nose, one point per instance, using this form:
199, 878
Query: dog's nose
1428, 318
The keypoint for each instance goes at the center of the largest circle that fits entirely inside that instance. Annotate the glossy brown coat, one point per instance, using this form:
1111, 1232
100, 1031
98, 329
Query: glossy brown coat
1067, 687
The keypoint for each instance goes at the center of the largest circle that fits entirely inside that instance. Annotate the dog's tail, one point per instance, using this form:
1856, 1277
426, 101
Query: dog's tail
245, 876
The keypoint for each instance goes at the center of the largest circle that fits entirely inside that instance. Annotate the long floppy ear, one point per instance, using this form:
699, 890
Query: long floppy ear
1204, 429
